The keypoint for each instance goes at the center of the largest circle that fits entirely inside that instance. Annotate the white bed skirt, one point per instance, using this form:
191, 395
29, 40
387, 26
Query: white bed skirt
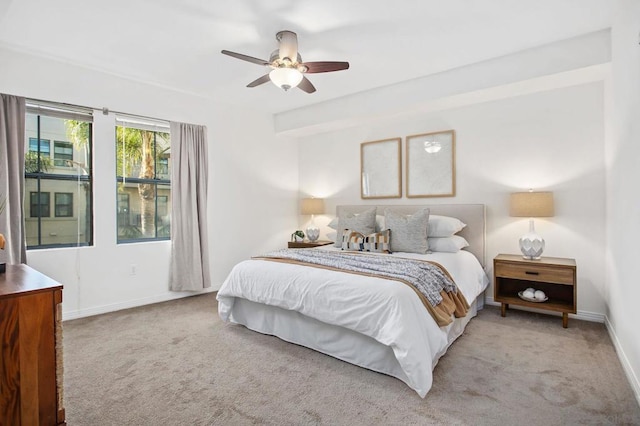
336, 341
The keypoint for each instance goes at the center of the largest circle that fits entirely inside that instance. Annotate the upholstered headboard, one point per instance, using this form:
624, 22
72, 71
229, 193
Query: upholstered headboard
471, 214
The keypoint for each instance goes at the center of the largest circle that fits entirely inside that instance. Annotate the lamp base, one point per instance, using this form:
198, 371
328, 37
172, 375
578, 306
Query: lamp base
313, 232
531, 246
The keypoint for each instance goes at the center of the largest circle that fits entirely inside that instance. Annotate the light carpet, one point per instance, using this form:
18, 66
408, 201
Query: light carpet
177, 363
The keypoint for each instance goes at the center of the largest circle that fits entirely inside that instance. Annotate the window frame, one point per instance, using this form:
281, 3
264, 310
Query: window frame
65, 112
156, 127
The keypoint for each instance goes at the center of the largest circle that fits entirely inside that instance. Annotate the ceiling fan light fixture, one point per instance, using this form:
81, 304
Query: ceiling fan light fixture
432, 147
285, 78
287, 68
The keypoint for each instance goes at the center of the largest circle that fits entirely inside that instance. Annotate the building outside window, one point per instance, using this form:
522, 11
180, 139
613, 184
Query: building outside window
43, 149
40, 204
143, 151
63, 154
38, 155
124, 217
66, 172
64, 204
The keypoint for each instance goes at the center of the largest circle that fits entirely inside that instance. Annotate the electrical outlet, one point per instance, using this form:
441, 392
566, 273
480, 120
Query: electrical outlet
134, 269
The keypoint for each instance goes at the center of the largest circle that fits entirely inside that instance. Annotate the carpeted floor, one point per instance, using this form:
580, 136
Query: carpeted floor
176, 363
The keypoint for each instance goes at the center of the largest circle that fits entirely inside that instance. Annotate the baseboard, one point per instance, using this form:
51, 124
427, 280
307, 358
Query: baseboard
626, 366
82, 313
581, 315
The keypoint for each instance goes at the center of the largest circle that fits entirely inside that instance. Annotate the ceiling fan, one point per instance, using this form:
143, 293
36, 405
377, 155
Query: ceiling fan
287, 67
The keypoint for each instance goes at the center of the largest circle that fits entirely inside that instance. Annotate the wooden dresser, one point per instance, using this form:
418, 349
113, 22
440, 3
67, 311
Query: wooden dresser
31, 348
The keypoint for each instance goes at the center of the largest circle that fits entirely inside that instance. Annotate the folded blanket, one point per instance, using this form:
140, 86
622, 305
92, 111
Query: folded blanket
431, 282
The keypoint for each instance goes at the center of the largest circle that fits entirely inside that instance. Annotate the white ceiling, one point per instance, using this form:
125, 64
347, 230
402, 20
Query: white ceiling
176, 43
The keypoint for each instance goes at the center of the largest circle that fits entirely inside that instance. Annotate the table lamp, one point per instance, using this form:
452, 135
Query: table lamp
312, 206
531, 204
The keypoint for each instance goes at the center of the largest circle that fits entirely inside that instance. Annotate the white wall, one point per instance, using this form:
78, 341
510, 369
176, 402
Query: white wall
564, 63
551, 140
252, 189
623, 195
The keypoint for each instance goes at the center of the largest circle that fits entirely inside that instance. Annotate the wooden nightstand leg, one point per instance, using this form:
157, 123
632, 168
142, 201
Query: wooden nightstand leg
565, 320
503, 309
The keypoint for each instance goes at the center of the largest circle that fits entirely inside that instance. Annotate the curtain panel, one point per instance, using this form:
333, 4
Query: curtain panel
189, 269
12, 147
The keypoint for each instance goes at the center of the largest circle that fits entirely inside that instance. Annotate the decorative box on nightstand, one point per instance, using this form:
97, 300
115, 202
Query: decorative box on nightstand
308, 244
555, 276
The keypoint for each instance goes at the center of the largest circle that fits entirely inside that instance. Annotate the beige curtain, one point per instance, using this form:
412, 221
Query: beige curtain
12, 146
189, 173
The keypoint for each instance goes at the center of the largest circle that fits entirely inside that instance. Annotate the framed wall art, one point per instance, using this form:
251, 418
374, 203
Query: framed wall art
381, 169
430, 165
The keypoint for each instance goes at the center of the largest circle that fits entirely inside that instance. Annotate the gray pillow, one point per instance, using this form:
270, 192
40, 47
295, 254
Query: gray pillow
408, 233
364, 223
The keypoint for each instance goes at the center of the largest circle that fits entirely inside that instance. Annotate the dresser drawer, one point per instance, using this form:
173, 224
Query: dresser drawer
542, 273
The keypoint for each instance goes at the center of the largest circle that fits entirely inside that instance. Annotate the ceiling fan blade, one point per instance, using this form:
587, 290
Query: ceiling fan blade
306, 85
259, 81
316, 67
288, 45
245, 57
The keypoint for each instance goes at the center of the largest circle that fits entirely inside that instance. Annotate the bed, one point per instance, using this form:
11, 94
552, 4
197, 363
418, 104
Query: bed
373, 322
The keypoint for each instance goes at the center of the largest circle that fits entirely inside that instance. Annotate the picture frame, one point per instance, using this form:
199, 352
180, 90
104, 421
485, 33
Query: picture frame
430, 164
381, 169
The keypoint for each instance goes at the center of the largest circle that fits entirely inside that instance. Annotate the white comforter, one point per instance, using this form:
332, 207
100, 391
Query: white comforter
386, 310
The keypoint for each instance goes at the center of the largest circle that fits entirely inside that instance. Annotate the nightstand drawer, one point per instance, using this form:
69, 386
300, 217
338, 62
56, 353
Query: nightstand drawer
542, 273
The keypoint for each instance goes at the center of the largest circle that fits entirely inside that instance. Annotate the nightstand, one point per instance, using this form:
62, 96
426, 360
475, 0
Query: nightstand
308, 244
553, 275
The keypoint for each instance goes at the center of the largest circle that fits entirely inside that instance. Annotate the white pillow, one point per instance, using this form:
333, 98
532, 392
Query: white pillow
444, 226
379, 222
452, 244
334, 223
331, 236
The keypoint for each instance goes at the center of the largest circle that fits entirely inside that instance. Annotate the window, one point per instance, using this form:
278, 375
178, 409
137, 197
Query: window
143, 179
163, 168
39, 155
39, 204
124, 214
65, 173
63, 154
64, 204
44, 149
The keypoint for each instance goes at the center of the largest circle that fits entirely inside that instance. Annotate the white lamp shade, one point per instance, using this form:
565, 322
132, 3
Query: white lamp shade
285, 78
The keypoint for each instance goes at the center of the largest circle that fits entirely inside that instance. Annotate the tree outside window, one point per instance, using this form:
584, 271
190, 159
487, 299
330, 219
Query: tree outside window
143, 182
